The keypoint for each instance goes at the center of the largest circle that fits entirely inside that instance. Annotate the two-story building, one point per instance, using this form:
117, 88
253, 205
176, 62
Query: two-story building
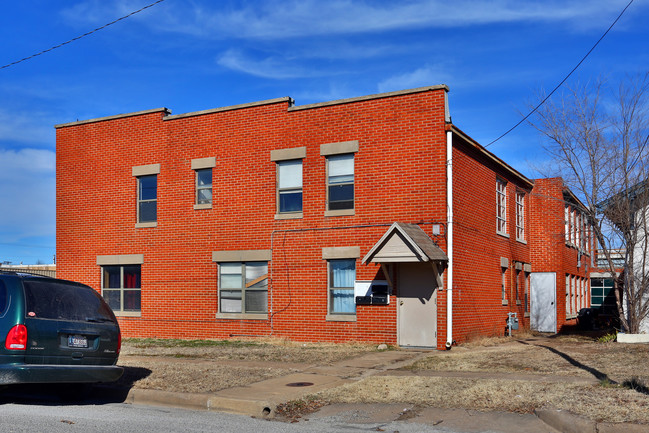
367, 219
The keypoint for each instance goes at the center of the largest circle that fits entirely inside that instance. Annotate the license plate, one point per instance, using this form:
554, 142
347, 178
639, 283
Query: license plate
77, 341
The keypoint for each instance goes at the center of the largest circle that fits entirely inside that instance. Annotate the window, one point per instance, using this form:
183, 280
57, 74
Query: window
340, 182
603, 296
526, 276
289, 186
568, 289
243, 287
520, 215
517, 286
501, 207
204, 186
503, 271
121, 288
342, 275
147, 198
567, 223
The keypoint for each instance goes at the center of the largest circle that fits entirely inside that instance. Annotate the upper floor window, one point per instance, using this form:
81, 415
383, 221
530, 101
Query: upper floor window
520, 215
204, 186
340, 182
289, 186
501, 206
147, 198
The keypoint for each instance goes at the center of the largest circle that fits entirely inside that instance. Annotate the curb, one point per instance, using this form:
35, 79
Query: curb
567, 422
193, 401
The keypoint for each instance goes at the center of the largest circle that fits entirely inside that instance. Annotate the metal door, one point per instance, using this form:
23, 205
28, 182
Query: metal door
543, 317
417, 305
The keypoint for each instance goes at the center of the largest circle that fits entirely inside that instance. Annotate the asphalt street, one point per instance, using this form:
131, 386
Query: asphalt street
117, 417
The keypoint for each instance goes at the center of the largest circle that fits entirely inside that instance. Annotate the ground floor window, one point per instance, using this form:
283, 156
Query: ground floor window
243, 287
342, 275
602, 294
121, 288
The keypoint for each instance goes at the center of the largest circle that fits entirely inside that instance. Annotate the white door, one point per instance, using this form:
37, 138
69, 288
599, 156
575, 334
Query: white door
543, 302
417, 305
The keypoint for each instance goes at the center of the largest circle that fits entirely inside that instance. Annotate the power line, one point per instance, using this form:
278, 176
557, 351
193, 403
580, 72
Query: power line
82, 36
565, 79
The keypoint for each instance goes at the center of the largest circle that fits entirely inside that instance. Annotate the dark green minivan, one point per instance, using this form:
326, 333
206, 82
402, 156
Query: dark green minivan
55, 331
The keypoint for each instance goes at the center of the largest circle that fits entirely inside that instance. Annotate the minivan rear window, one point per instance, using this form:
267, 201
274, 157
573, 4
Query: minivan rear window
4, 298
58, 300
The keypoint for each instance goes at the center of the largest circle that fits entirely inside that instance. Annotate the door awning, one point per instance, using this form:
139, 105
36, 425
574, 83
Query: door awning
405, 243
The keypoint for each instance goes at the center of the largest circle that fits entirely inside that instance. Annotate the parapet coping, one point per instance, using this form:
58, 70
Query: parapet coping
230, 108
116, 116
288, 99
368, 97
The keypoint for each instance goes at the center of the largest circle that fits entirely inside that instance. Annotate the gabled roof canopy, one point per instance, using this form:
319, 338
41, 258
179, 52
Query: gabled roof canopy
405, 243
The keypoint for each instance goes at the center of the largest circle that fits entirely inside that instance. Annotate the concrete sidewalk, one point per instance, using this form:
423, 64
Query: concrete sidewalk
260, 399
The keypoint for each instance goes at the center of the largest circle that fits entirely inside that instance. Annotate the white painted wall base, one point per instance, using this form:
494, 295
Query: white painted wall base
632, 338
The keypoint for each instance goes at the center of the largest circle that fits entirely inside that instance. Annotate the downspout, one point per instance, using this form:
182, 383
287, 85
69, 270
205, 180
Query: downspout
449, 226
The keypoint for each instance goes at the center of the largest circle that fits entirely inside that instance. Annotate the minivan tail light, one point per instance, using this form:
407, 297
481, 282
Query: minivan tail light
16, 338
119, 342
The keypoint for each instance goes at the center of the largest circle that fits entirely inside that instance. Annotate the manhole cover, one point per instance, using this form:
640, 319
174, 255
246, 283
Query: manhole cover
299, 384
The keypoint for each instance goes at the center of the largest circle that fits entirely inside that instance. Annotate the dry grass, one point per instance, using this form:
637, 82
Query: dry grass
620, 395
572, 356
268, 350
596, 402
212, 365
195, 377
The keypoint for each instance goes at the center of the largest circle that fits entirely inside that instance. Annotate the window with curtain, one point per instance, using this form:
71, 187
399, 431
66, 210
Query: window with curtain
243, 287
289, 186
342, 276
204, 186
340, 182
147, 198
121, 288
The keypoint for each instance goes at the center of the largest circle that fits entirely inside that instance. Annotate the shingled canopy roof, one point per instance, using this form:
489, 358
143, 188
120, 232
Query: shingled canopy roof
405, 243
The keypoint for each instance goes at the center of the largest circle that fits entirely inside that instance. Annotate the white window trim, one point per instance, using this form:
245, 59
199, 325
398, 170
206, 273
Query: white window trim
520, 216
501, 207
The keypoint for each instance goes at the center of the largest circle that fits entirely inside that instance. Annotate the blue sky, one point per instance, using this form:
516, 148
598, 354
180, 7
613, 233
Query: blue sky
190, 55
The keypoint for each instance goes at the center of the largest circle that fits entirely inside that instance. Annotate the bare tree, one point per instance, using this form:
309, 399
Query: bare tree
597, 137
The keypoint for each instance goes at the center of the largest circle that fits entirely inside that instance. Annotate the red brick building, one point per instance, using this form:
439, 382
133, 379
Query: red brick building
349, 220
562, 253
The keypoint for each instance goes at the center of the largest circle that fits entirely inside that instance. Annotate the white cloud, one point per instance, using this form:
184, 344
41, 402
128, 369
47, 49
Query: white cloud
27, 193
23, 127
269, 67
424, 76
279, 19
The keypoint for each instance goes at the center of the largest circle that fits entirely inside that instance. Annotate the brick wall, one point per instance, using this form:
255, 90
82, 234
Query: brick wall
400, 176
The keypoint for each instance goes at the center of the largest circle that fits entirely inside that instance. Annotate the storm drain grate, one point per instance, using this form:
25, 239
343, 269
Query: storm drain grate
300, 384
